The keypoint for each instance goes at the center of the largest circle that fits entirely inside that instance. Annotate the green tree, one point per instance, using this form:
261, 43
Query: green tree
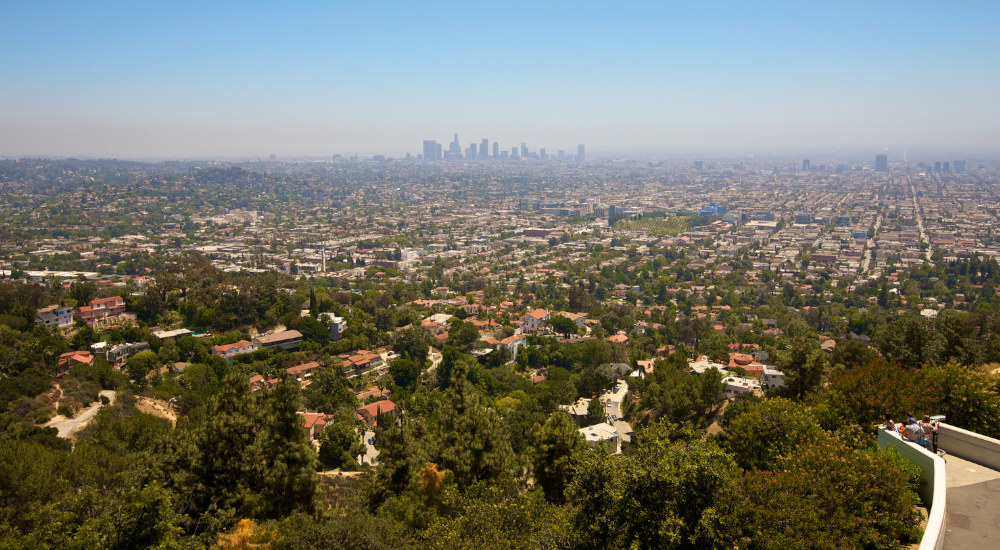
559, 447
405, 372
769, 430
595, 412
804, 366
288, 482
340, 443
464, 336
911, 340
562, 324
667, 493
140, 364
329, 392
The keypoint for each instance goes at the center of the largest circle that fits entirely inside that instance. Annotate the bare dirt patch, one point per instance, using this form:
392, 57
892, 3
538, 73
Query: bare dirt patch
157, 407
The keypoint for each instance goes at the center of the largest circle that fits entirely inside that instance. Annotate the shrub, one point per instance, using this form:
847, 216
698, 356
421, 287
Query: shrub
828, 495
770, 429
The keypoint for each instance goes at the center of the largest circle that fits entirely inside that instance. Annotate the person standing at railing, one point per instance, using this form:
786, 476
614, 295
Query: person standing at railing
929, 428
914, 431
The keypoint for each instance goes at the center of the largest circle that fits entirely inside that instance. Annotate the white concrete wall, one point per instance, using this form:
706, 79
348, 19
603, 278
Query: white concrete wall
933, 487
969, 445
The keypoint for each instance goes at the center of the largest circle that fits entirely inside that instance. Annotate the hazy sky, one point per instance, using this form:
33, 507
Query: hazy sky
211, 79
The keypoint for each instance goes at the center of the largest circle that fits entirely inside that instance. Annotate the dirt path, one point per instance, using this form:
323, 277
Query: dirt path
157, 407
68, 426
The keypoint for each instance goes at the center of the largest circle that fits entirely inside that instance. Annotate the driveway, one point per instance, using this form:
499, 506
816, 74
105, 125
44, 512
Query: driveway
370, 456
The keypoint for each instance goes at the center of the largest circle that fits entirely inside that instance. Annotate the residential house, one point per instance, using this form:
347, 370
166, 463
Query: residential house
304, 372
373, 391
313, 423
601, 435
533, 320
337, 325
510, 343
773, 378
360, 361
104, 312
288, 339
369, 413
119, 354
228, 351
733, 386
54, 316
71, 359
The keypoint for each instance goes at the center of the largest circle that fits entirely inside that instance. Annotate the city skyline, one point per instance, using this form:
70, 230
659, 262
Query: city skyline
196, 81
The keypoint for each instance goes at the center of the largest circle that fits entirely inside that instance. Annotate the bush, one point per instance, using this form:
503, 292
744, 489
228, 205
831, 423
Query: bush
770, 430
828, 495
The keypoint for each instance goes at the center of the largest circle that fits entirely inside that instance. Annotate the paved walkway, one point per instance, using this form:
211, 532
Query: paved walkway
972, 521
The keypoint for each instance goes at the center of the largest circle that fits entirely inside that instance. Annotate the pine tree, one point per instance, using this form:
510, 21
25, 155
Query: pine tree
289, 470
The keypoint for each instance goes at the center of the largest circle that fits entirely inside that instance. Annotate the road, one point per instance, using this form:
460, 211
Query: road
918, 213
69, 426
871, 245
613, 409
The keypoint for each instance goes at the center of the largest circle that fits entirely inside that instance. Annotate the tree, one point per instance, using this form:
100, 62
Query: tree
140, 364
558, 449
668, 493
288, 482
411, 344
911, 340
213, 462
340, 443
312, 329
827, 495
464, 337
562, 324
405, 372
595, 412
804, 366
769, 430
329, 392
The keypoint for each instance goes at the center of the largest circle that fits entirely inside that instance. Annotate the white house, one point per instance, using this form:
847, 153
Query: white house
601, 435
735, 385
54, 316
773, 378
532, 320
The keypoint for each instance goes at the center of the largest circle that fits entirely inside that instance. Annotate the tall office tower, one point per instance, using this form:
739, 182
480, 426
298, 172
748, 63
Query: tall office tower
946, 167
496, 150
437, 151
470, 153
612, 214
541, 155
484, 149
524, 150
455, 149
431, 150
560, 154
580, 156
937, 166
805, 165
513, 153
958, 165
881, 163
699, 165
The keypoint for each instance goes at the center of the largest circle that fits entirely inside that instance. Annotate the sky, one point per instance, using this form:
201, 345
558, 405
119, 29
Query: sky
246, 79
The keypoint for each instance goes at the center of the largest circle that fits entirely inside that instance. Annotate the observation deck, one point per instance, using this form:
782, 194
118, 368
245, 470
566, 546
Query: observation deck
961, 487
